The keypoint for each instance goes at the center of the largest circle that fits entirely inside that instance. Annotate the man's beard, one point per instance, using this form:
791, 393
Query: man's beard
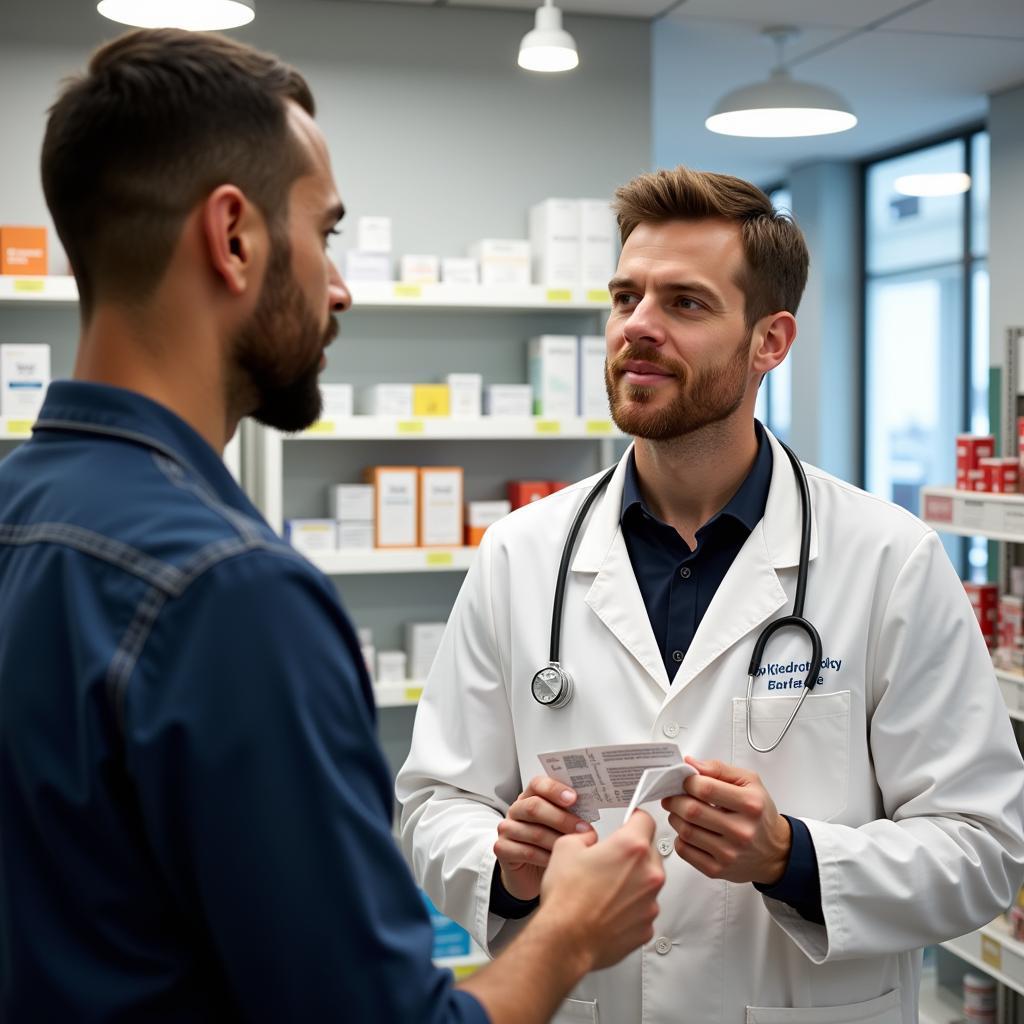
272, 349
703, 398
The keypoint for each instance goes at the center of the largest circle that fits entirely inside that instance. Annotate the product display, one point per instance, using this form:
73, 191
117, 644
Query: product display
970, 450
351, 503
430, 400
23, 250
440, 505
593, 393
373, 234
554, 226
422, 639
465, 395
24, 378
311, 536
367, 266
508, 400
984, 598
553, 369
337, 401
463, 270
388, 400
999, 476
502, 261
599, 236
391, 667
396, 512
482, 514
416, 269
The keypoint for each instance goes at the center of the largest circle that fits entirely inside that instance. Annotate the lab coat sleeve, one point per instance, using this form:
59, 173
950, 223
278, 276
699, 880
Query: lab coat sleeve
462, 773
949, 855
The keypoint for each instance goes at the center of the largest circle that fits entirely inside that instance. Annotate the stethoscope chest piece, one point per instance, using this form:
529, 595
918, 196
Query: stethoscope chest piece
552, 686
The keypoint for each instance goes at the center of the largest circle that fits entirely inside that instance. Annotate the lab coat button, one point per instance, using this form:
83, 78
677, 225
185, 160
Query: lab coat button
685, 572
665, 845
677, 656
670, 729
662, 945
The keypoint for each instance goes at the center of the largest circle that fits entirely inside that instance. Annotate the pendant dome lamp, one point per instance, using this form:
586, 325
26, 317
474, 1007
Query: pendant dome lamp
548, 47
196, 15
782, 106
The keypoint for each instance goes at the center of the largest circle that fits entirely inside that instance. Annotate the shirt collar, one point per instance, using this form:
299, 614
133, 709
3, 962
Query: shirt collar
101, 409
747, 505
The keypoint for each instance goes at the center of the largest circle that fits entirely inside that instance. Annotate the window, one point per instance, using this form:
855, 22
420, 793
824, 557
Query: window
926, 322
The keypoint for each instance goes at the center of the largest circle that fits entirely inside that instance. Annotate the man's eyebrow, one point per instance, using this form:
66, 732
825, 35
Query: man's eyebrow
335, 213
694, 287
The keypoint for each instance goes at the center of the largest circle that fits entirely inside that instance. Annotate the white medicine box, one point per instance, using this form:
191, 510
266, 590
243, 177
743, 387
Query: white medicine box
311, 536
419, 269
24, 378
599, 233
593, 392
422, 640
351, 503
337, 401
502, 261
515, 400
465, 395
440, 502
373, 234
555, 242
553, 371
395, 511
388, 400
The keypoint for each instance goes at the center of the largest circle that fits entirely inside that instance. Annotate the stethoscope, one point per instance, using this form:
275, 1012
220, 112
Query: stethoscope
553, 686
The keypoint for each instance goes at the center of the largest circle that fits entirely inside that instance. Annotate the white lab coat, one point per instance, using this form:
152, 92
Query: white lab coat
902, 761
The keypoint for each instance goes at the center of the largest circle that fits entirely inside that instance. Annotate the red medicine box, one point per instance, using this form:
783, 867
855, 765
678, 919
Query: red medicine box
1001, 475
522, 492
984, 599
970, 450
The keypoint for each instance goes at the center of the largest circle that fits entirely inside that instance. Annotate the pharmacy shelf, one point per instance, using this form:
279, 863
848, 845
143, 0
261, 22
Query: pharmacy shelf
974, 514
395, 295
14, 429
1012, 685
372, 562
405, 694
38, 290
481, 428
993, 950
937, 1005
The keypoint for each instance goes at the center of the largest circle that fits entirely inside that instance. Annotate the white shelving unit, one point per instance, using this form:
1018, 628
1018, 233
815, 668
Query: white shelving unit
993, 951
38, 290
398, 695
483, 428
398, 560
974, 514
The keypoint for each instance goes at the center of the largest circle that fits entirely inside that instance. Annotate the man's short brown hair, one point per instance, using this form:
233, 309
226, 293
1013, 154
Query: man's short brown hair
775, 274
160, 119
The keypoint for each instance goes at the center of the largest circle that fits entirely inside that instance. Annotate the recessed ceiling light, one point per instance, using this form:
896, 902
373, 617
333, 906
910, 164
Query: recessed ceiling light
197, 15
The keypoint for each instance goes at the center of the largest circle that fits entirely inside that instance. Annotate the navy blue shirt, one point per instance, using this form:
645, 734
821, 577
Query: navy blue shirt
677, 586
196, 817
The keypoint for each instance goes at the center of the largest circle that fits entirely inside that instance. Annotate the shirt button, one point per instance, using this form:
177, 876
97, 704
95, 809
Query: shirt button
670, 729
685, 572
665, 846
662, 945
677, 656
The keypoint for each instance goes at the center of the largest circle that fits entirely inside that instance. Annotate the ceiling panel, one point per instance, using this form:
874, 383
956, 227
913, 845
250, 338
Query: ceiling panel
1002, 19
842, 14
613, 8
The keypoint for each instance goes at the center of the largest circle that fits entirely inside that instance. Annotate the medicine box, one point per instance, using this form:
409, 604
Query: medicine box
465, 395
337, 401
554, 227
415, 269
311, 536
388, 400
23, 250
440, 502
593, 394
355, 536
373, 234
598, 243
482, 514
24, 378
391, 667
502, 261
395, 512
462, 270
522, 492
430, 400
422, 640
970, 450
553, 371
351, 503
508, 400
367, 266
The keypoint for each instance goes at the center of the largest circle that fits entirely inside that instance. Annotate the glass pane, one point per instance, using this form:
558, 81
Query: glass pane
914, 384
781, 405
908, 231
782, 199
979, 349
979, 194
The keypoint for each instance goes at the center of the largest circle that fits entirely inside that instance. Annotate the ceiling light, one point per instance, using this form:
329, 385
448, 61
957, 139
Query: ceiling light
950, 184
782, 106
197, 15
548, 47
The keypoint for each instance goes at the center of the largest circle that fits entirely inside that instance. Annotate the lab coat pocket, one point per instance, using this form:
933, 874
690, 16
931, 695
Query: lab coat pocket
807, 775
883, 1010
577, 1011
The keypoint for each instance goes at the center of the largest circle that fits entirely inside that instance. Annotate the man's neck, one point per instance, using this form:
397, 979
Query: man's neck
689, 479
166, 360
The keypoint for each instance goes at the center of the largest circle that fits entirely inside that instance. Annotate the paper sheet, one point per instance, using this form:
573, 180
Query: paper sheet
658, 783
608, 776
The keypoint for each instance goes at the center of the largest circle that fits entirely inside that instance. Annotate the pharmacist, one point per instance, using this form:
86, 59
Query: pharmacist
888, 817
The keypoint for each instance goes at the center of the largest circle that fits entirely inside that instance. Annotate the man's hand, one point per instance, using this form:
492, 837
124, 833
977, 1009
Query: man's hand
607, 891
528, 833
727, 825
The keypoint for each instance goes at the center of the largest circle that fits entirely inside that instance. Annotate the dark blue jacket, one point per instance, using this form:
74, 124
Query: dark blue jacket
195, 818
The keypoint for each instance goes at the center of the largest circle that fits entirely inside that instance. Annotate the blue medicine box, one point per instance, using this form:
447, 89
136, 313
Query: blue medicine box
450, 939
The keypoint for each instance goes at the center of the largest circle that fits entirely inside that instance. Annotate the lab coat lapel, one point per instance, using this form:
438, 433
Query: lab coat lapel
615, 596
751, 592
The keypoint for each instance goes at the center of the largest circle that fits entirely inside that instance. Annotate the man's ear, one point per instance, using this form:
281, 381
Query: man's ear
235, 234
773, 337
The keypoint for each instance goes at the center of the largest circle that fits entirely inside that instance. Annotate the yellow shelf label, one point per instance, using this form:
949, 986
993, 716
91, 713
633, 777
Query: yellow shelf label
321, 427
413, 692
599, 426
465, 970
19, 428
559, 295
440, 558
26, 284
408, 291
548, 427
597, 295
992, 952
411, 426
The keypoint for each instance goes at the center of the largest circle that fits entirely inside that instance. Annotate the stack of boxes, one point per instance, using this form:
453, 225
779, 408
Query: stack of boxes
979, 469
984, 598
567, 376
353, 510
422, 640
573, 243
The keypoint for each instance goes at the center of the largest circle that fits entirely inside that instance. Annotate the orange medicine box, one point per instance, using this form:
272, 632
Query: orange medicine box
440, 502
23, 251
480, 515
396, 520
